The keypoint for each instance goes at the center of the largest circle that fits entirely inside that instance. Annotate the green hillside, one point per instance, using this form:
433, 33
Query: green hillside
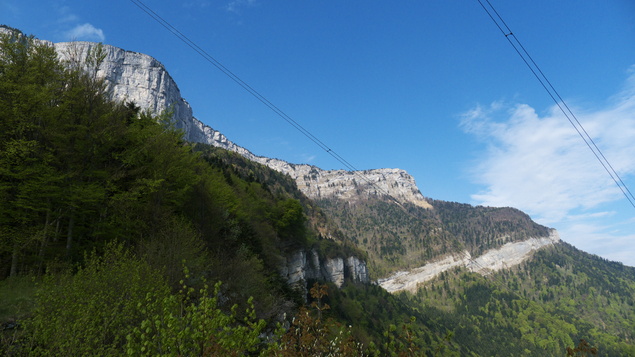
117, 237
560, 296
397, 238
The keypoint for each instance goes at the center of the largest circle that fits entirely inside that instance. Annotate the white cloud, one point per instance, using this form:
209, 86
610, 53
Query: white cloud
196, 3
308, 158
65, 15
236, 5
599, 239
86, 32
540, 164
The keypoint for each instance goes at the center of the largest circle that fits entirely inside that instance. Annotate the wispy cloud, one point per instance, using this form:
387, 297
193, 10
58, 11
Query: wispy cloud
307, 158
604, 240
65, 15
196, 3
86, 32
236, 5
70, 27
539, 163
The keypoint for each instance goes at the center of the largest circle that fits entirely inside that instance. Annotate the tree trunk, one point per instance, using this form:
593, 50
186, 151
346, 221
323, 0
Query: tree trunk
69, 237
57, 225
14, 260
45, 240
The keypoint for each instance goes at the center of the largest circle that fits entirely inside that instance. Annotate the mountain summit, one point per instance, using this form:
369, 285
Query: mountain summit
136, 77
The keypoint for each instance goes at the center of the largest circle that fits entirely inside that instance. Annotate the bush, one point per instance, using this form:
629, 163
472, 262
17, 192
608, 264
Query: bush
92, 311
182, 325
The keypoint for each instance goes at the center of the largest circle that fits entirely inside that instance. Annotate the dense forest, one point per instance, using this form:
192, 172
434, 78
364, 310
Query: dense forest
118, 237
402, 237
538, 308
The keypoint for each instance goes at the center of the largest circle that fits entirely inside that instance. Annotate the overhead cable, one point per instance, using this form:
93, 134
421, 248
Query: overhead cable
209, 58
288, 119
555, 96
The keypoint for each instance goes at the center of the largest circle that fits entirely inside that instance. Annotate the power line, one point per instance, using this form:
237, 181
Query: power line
467, 256
209, 58
555, 96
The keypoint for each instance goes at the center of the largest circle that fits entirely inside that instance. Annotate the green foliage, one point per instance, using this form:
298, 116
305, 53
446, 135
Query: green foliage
395, 240
290, 220
539, 308
185, 325
79, 172
174, 244
118, 303
387, 324
16, 297
481, 228
90, 312
312, 334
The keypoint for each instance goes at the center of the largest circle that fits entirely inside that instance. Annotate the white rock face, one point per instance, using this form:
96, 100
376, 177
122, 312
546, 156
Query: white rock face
356, 269
334, 270
351, 185
493, 260
137, 77
301, 266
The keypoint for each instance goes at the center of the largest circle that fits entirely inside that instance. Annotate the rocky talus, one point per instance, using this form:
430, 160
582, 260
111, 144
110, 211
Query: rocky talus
492, 260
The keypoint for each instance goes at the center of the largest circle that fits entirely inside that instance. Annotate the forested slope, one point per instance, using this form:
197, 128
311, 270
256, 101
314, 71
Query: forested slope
115, 234
118, 237
538, 308
402, 237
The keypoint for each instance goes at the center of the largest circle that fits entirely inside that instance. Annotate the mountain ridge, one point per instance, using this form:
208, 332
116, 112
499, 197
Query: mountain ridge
493, 260
140, 78
137, 77
240, 222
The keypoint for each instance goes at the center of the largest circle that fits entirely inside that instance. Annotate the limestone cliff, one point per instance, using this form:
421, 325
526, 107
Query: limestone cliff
132, 76
137, 77
302, 266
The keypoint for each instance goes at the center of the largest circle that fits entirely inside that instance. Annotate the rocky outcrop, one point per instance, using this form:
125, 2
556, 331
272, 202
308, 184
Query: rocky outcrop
493, 260
139, 78
302, 266
351, 185
136, 77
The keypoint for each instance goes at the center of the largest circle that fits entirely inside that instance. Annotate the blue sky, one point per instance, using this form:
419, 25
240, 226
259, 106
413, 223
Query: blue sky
431, 87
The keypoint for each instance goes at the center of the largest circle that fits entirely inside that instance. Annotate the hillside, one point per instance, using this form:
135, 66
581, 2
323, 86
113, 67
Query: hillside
405, 237
537, 308
118, 235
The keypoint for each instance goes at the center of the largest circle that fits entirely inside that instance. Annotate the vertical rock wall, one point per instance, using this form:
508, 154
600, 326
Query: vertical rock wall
301, 266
